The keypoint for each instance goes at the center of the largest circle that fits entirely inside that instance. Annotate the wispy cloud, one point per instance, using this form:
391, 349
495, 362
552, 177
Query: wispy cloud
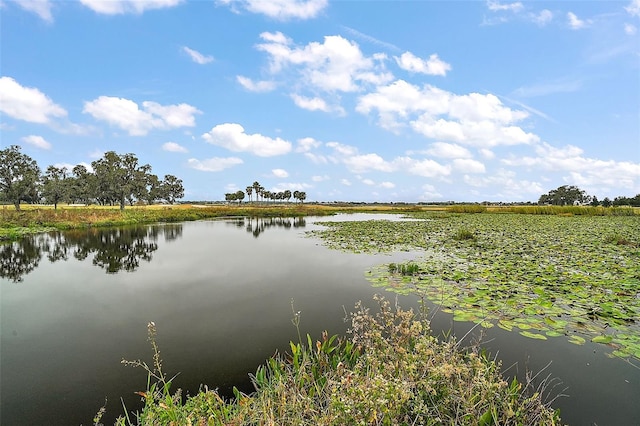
528, 108
576, 23
118, 7
496, 6
256, 86
565, 85
630, 29
370, 39
196, 56
633, 8
42, 8
282, 10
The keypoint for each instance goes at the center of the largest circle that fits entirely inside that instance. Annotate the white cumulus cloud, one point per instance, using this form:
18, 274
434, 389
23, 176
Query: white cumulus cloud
467, 165
233, 137
173, 147
27, 103
307, 144
37, 141
363, 163
425, 167
576, 23
480, 120
128, 116
311, 104
576, 168
432, 66
280, 173
448, 150
335, 65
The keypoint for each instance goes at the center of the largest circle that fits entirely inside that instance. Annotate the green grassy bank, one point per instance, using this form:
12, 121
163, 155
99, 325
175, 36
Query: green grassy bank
390, 370
29, 220
41, 218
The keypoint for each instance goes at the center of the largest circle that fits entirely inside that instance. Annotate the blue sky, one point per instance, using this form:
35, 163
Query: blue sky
347, 100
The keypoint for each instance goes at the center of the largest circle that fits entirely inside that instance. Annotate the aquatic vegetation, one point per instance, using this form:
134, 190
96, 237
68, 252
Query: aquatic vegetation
390, 370
543, 276
464, 234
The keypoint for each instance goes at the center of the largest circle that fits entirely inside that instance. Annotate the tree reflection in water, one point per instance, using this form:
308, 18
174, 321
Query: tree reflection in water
113, 250
19, 258
258, 225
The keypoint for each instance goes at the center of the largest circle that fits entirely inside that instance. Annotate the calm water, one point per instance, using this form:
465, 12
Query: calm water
74, 304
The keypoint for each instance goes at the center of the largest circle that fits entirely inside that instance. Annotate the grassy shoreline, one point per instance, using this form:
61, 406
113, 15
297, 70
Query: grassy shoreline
33, 219
389, 370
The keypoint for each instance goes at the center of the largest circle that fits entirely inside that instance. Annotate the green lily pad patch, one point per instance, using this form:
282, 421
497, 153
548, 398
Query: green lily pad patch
544, 276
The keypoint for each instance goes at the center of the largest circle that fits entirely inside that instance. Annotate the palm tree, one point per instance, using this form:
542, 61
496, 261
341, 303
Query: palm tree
249, 191
287, 195
256, 188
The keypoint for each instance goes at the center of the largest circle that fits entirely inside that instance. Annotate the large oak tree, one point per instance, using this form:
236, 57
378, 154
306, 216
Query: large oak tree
19, 176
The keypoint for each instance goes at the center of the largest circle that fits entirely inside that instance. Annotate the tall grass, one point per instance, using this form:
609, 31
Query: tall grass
467, 208
15, 223
569, 210
389, 371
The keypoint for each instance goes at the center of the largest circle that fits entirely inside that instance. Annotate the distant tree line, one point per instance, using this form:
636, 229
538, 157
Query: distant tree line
567, 195
264, 195
115, 180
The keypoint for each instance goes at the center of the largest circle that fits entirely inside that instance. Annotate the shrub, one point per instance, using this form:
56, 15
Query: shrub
390, 371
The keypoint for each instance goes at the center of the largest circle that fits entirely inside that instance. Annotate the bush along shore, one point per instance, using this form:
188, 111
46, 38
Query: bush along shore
388, 370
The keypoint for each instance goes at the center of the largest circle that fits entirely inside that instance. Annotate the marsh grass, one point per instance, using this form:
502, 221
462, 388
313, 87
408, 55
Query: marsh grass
619, 240
463, 234
29, 220
467, 208
390, 370
405, 269
568, 210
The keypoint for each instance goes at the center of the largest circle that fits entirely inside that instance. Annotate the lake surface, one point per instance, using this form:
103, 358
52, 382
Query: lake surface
74, 304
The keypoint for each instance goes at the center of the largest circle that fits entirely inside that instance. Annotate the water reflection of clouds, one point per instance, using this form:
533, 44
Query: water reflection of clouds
112, 249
